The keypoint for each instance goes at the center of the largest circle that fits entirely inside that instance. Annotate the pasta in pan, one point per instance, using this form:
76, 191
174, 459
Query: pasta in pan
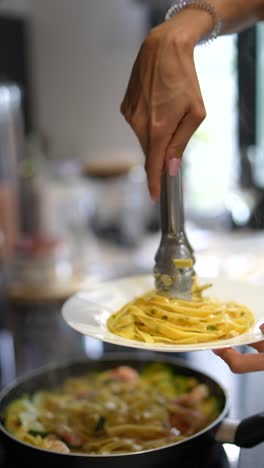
115, 411
156, 318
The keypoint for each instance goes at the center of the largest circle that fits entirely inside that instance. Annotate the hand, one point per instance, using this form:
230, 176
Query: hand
241, 363
163, 102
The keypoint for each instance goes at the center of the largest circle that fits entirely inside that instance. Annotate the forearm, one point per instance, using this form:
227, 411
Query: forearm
235, 15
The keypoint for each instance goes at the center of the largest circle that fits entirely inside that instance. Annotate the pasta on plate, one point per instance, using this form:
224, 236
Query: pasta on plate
156, 318
118, 410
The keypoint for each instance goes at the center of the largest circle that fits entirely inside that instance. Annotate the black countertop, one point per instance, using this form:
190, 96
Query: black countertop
32, 336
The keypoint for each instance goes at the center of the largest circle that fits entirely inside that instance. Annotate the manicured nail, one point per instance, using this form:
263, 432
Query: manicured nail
174, 165
154, 193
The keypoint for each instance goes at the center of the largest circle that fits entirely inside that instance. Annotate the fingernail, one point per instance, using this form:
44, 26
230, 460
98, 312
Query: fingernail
262, 328
154, 197
154, 193
174, 165
220, 351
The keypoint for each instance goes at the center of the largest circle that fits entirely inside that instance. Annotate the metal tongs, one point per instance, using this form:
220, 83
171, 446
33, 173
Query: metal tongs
173, 271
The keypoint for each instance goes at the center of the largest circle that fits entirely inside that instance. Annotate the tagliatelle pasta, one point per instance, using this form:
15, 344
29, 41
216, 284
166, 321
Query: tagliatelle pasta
118, 410
156, 318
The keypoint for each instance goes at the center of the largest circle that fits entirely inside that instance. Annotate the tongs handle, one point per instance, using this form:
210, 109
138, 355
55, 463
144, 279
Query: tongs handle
170, 278
171, 204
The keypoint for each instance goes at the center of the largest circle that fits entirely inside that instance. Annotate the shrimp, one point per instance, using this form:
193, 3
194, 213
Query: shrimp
57, 446
187, 420
124, 373
196, 396
69, 436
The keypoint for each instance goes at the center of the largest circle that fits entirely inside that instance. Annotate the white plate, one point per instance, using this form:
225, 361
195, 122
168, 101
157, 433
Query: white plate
88, 311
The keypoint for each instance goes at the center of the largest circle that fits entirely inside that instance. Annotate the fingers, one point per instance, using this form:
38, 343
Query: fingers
258, 346
155, 160
240, 363
133, 91
189, 124
164, 147
134, 110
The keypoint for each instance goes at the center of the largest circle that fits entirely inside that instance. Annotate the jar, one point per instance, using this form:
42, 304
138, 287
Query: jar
123, 206
44, 269
11, 142
66, 201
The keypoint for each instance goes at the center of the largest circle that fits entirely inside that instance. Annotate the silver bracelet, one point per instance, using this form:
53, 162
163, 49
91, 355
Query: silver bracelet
198, 5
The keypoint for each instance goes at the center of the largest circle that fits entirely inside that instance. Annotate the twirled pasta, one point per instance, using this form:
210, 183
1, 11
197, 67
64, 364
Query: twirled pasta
155, 318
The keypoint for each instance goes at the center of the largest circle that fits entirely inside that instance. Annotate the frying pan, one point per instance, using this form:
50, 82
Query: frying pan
246, 433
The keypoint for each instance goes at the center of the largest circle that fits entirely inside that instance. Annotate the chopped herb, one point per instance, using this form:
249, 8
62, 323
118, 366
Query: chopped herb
100, 424
37, 433
166, 280
211, 328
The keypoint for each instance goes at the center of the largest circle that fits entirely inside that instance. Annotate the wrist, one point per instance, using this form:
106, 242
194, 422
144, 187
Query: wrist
193, 25
260, 10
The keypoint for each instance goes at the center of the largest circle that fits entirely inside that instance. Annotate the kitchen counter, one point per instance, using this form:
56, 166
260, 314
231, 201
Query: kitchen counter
33, 336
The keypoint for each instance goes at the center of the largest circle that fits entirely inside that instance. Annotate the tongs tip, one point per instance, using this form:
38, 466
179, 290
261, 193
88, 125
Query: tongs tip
177, 280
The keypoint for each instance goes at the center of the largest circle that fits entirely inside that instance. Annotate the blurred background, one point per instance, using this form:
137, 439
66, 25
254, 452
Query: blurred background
74, 206
73, 196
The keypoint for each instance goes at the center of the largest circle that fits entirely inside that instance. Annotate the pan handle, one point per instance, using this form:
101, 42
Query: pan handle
246, 433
